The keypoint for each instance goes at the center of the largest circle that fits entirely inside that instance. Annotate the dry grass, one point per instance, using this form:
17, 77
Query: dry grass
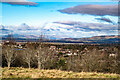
35, 73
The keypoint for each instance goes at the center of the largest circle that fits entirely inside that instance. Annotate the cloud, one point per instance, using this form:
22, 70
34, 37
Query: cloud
75, 29
79, 26
19, 2
69, 29
99, 10
105, 20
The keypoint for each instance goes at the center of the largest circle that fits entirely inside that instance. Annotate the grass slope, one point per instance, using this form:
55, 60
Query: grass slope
36, 73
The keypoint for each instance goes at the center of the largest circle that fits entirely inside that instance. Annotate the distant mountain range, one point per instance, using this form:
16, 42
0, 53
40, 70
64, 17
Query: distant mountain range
95, 39
58, 30
4, 30
112, 39
24, 32
18, 31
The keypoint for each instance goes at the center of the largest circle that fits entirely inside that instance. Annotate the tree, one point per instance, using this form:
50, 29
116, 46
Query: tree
28, 55
43, 54
90, 61
9, 54
61, 63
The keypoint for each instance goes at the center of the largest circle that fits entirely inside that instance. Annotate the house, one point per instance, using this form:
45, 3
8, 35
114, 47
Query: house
0, 44
53, 47
113, 55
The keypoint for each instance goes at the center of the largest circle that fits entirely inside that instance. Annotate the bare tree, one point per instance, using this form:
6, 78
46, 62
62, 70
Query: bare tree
43, 54
28, 55
89, 60
9, 54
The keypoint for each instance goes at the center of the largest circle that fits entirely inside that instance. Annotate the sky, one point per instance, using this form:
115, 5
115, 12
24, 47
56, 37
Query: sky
46, 14
73, 0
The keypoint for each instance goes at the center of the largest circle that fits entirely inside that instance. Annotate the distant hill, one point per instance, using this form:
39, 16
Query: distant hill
96, 39
92, 38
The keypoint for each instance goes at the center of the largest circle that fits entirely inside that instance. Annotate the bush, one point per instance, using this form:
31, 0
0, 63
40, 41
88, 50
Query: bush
61, 63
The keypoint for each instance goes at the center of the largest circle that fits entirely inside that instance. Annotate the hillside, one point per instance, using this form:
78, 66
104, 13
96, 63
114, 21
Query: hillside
92, 38
95, 39
35, 73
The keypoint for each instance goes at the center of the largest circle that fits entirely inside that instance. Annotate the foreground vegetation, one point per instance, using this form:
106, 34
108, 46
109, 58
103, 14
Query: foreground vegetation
86, 60
43, 60
76, 58
19, 72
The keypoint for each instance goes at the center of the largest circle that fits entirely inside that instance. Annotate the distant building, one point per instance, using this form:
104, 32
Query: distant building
0, 44
52, 47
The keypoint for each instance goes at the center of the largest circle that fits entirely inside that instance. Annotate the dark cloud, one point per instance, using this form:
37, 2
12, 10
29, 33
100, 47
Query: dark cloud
105, 20
19, 2
99, 10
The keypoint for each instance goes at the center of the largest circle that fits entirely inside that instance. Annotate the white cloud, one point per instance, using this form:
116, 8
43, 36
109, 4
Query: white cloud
59, 30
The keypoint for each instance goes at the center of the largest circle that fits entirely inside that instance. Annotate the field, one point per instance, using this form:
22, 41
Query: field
19, 72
